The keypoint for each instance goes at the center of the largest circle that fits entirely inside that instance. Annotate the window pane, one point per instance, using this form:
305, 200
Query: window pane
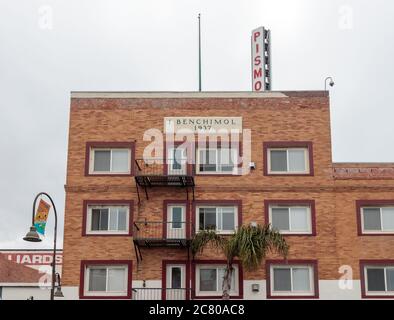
177, 159
113, 219
122, 219
116, 280
228, 219
278, 160
280, 218
120, 160
95, 226
301, 281
388, 218
225, 160
177, 217
282, 279
104, 219
221, 272
207, 218
375, 279
297, 160
208, 160
208, 280
97, 279
102, 160
390, 279
176, 278
371, 219
299, 219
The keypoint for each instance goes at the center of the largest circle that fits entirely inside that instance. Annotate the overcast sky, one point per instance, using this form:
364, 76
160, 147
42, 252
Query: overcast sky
49, 48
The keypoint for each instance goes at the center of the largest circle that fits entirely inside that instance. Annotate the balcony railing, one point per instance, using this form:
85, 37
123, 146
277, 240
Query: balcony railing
163, 173
151, 233
160, 167
161, 294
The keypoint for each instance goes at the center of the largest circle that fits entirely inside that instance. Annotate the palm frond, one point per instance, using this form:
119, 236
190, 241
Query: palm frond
205, 237
254, 242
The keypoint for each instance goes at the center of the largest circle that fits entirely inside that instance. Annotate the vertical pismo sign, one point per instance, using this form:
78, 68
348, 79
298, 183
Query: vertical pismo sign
261, 59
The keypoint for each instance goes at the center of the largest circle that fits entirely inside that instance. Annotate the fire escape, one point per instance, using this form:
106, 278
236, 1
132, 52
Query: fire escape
174, 233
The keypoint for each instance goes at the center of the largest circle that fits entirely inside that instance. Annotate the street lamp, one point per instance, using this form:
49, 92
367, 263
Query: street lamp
332, 83
58, 293
33, 236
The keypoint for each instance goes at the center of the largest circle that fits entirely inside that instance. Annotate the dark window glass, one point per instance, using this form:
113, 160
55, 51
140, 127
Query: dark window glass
176, 278
372, 219
104, 219
176, 164
208, 280
97, 279
95, 219
207, 218
278, 160
176, 218
280, 218
282, 279
102, 160
375, 279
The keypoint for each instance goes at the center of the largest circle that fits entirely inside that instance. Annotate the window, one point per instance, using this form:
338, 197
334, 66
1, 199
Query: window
177, 161
377, 219
379, 280
291, 219
221, 219
108, 219
110, 161
212, 161
209, 280
176, 221
106, 280
288, 161
297, 280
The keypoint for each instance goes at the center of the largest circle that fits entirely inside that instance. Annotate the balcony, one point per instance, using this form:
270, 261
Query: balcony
160, 294
162, 233
151, 173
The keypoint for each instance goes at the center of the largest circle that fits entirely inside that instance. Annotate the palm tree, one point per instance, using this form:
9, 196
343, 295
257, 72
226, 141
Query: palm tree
249, 243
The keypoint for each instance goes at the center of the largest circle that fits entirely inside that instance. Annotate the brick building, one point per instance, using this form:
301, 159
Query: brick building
129, 221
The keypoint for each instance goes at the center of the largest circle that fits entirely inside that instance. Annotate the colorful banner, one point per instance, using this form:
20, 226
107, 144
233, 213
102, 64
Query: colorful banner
40, 220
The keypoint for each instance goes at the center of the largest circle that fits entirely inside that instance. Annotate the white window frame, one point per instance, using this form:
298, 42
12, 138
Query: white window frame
381, 231
218, 211
377, 293
219, 292
234, 155
307, 164
106, 232
105, 293
91, 161
309, 212
311, 292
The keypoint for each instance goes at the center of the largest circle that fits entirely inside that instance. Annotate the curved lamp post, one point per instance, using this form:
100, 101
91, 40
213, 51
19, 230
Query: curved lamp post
332, 83
33, 236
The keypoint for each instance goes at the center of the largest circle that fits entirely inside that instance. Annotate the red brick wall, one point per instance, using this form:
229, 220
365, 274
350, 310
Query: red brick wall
295, 118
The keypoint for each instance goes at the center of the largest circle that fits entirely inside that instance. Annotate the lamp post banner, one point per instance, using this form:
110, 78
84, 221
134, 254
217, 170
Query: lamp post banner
40, 219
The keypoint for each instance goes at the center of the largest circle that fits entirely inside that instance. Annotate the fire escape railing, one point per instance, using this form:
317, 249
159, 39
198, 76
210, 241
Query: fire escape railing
162, 230
161, 294
161, 234
163, 173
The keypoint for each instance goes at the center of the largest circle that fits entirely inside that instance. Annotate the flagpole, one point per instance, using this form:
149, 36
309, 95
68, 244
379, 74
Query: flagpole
199, 52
